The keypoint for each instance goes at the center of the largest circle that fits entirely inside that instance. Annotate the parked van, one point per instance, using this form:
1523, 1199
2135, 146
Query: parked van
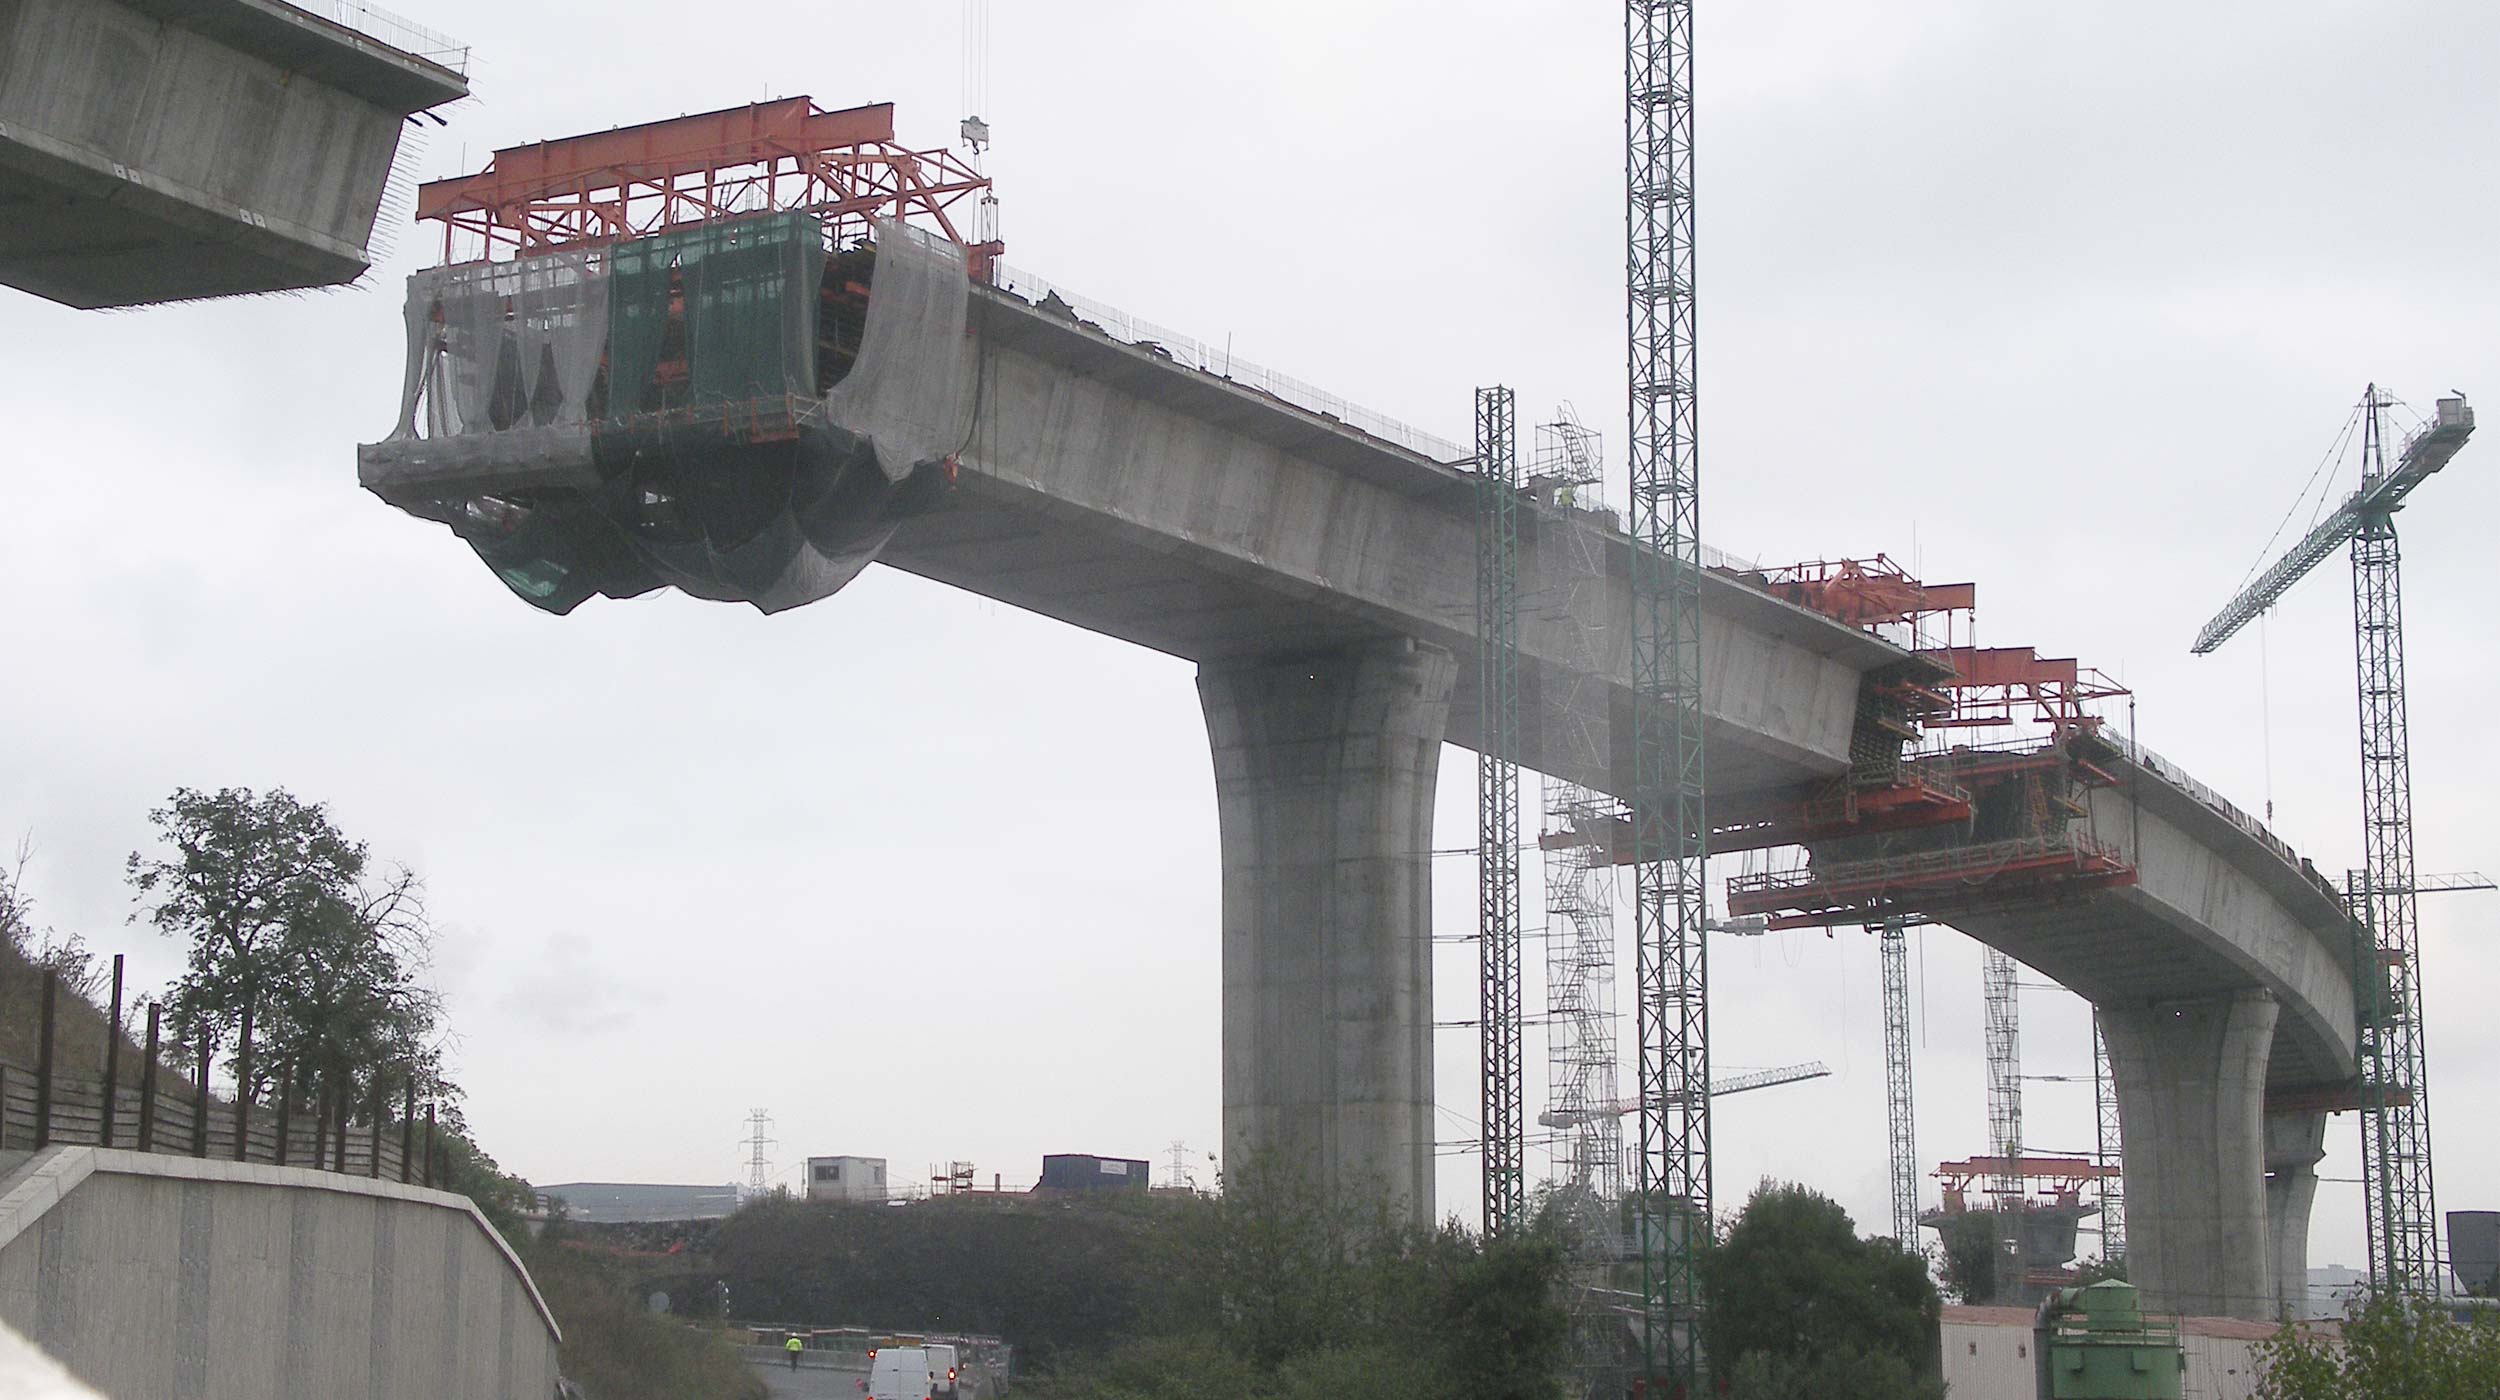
897, 1373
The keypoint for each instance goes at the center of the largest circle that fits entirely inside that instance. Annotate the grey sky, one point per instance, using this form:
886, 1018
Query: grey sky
2064, 299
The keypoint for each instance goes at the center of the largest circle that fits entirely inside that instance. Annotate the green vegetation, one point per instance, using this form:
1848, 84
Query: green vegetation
1803, 1309
614, 1348
1274, 1290
2394, 1348
1968, 1255
290, 923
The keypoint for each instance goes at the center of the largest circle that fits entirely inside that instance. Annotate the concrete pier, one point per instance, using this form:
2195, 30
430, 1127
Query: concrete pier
1324, 771
2295, 1144
2191, 1080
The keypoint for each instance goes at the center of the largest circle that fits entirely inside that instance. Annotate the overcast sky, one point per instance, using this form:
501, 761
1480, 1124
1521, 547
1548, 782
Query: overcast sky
2067, 300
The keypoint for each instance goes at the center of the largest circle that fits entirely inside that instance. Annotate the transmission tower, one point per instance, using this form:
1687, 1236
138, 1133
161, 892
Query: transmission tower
2113, 1183
1904, 1134
1670, 827
1497, 806
2005, 1101
759, 1171
2395, 1075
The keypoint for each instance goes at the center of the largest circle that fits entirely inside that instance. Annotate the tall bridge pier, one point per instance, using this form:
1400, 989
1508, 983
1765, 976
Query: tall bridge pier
1324, 775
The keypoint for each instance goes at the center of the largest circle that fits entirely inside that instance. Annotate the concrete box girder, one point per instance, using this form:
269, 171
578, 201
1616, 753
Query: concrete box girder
159, 150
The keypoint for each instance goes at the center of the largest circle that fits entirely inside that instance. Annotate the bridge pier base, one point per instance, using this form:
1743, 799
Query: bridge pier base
2191, 1079
1324, 774
2295, 1144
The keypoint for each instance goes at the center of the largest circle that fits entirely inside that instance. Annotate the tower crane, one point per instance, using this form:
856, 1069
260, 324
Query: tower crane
2395, 1087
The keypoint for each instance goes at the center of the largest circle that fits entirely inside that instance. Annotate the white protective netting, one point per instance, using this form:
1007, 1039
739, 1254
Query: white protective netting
910, 394
501, 358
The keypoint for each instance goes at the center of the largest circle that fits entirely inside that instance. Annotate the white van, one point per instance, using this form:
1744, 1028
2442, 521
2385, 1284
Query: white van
897, 1373
942, 1362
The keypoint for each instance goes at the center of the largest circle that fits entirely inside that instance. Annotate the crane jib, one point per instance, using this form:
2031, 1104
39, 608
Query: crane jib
2428, 451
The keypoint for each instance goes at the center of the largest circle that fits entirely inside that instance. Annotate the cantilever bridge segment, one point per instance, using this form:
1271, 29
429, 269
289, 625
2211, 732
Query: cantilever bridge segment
763, 356
168, 150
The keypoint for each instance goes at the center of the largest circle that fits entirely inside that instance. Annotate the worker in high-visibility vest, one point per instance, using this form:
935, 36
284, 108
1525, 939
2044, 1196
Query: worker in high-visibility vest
794, 1346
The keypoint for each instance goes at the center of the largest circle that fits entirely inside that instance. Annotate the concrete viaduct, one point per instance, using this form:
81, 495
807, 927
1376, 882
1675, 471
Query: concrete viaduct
1323, 581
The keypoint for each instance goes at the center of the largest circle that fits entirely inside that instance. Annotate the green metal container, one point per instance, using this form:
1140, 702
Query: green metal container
2095, 1343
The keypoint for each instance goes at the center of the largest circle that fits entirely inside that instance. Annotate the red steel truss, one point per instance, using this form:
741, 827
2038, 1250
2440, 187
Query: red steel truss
635, 181
1996, 685
1860, 592
1929, 883
2066, 1176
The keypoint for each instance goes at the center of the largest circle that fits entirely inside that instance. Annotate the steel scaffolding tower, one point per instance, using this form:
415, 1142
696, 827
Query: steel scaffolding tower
1904, 1133
2395, 1073
2112, 1150
1670, 826
2005, 1099
1582, 1097
1497, 805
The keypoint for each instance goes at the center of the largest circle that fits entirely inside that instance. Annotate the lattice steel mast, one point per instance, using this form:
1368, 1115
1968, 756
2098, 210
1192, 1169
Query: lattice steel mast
1670, 827
2395, 1078
2111, 1149
1898, 1101
1497, 805
2005, 1101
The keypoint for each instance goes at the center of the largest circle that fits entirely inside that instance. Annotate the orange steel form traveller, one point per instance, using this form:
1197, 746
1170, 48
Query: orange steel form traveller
2066, 1176
778, 156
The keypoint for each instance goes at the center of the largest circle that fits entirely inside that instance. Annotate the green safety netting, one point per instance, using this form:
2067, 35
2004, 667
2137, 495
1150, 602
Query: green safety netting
666, 484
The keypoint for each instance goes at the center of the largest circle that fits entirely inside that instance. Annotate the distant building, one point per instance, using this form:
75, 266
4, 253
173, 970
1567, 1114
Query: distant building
1987, 1354
846, 1179
1078, 1171
631, 1203
2474, 1250
2332, 1288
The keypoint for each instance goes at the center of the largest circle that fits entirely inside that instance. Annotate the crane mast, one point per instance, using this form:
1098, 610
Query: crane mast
2395, 1073
1670, 827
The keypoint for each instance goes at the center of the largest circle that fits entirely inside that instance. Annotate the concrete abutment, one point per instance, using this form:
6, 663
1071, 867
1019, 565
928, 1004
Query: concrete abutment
1324, 777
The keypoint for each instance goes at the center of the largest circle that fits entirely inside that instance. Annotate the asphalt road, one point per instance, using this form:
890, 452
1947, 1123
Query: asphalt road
807, 1382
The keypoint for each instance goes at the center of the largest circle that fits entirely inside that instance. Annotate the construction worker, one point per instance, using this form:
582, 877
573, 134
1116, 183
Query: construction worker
794, 1346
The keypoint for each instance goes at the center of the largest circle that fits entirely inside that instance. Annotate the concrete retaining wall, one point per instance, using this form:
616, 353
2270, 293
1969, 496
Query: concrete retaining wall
172, 1278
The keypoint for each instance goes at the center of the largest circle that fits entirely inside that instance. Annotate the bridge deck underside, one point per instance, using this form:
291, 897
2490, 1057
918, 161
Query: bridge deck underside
1129, 495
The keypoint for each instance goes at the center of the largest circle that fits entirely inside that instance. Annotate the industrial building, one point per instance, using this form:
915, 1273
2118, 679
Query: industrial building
637, 1203
1987, 1354
1080, 1171
846, 1179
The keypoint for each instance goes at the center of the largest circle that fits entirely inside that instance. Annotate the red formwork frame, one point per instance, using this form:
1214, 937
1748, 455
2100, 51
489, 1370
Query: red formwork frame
780, 156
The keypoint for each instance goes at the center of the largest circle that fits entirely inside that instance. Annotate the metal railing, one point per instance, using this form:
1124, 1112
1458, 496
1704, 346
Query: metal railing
1197, 355
2177, 777
374, 22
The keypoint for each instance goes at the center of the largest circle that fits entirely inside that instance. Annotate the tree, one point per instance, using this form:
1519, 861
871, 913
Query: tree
1799, 1304
1968, 1255
289, 921
2394, 1347
82, 973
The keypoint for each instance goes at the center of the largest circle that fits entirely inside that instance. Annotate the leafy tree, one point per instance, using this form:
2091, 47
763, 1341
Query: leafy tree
1799, 1304
2092, 1271
290, 920
2394, 1347
1968, 1255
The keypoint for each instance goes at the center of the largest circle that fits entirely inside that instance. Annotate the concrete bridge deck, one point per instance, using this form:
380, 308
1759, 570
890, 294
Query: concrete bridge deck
164, 150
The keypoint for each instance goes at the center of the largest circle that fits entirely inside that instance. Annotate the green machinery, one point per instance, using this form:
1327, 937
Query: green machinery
2095, 1343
